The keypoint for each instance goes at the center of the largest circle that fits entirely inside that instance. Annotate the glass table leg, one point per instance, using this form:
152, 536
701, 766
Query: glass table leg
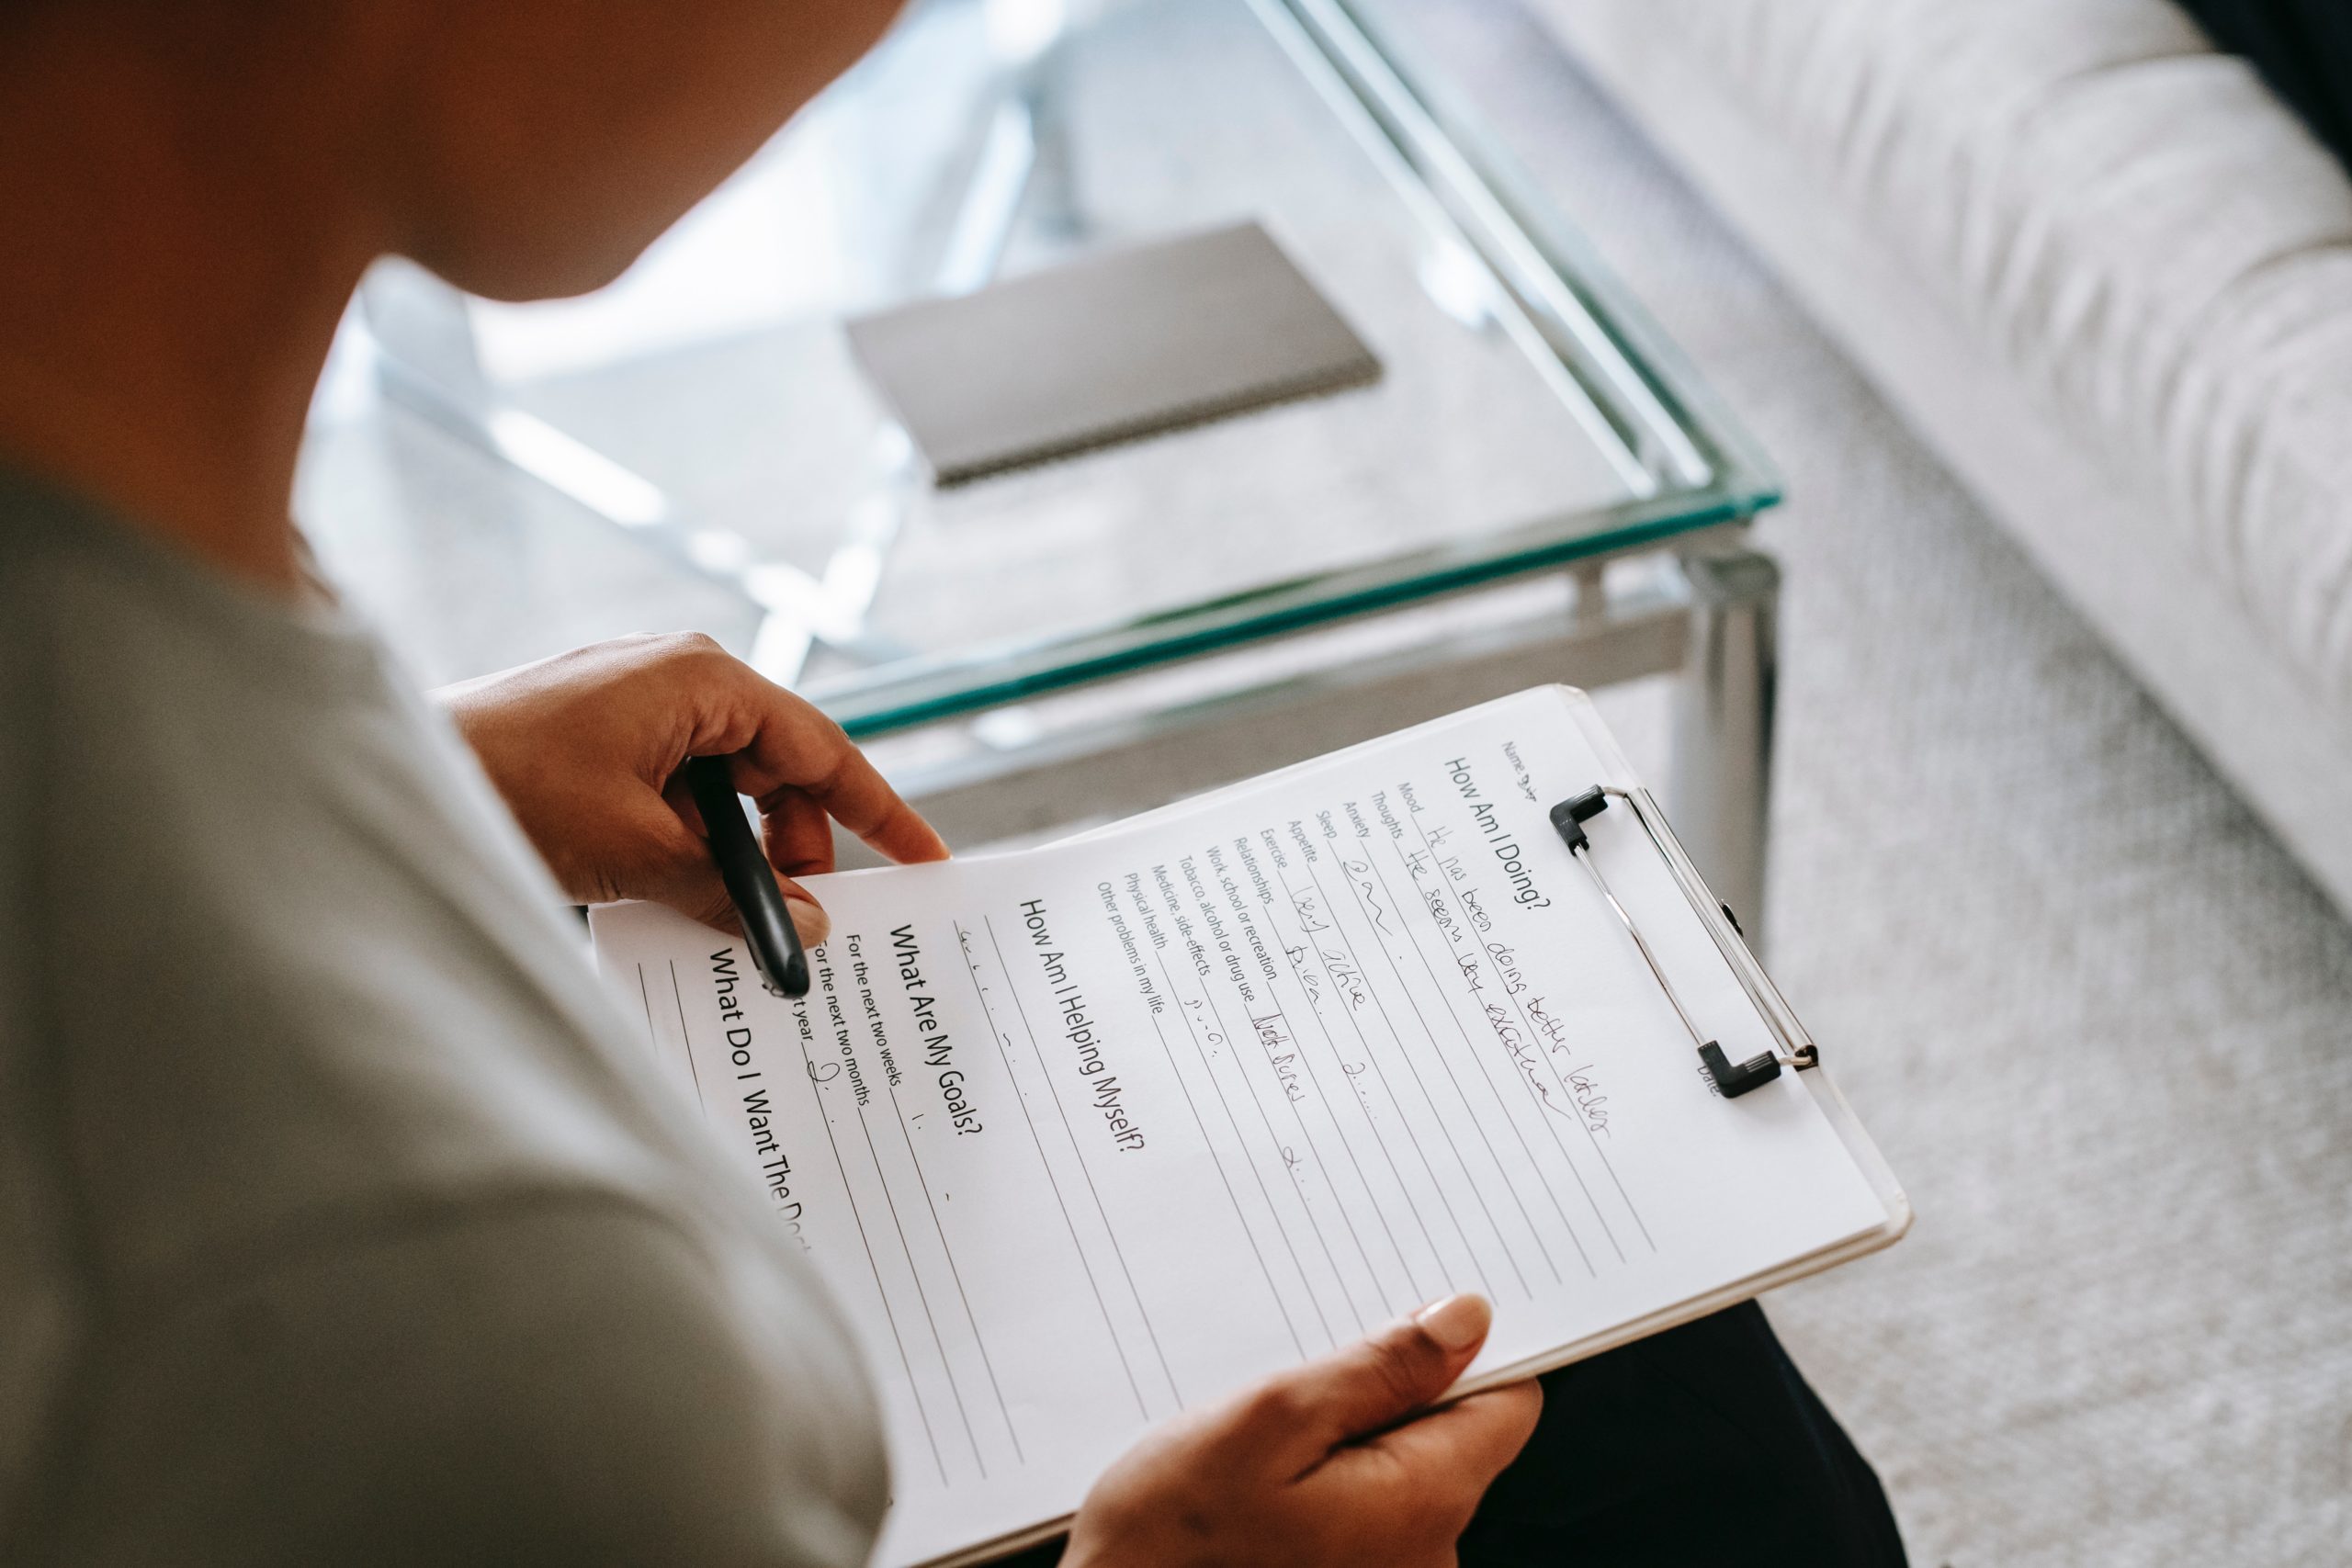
1719, 787
1132, 743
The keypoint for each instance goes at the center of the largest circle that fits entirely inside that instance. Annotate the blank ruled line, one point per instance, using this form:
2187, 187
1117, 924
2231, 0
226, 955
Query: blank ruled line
1485, 1069
1413, 1285
652, 1039
1084, 1169
980, 994
1265, 1269
1231, 1197
922, 1295
1477, 1191
849, 1193
1266, 1122
1477, 1120
1389, 1154
1411, 1132
1590, 1137
1364, 1254
980, 1340
684, 1044
1254, 1174
1371, 1059
1549, 1119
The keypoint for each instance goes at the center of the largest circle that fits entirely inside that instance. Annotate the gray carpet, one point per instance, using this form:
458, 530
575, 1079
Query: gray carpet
2100, 1022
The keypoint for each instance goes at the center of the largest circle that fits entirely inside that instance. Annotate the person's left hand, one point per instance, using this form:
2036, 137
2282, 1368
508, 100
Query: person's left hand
587, 749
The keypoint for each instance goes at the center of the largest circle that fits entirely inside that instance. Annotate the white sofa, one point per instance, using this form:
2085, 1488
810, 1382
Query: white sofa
2108, 276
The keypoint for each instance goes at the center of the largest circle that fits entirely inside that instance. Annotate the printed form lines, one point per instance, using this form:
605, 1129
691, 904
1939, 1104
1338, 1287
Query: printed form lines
1487, 1072
1218, 1014
864, 1240
1312, 1011
1037, 1054
978, 1339
996, 1033
1280, 1229
931, 1320
1380, 1071
1518, 1009
1232, 1197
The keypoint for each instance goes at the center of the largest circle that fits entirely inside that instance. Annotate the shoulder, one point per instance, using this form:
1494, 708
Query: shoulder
560, 1377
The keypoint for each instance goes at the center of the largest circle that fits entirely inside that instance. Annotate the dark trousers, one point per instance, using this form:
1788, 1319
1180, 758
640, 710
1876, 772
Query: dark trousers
1703, 1446
1698, 1448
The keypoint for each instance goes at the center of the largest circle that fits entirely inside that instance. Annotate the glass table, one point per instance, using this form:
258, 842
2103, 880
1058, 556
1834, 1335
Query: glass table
1536, 488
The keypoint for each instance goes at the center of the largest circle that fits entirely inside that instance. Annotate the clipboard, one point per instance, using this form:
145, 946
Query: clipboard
1636, 823
1794, 1047
1697, 956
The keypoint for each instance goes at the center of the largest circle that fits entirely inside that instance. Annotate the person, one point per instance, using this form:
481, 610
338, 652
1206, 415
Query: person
340, 1219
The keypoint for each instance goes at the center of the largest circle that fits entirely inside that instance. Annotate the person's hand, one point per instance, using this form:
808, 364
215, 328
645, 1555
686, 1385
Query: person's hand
587, 749
1328, 1464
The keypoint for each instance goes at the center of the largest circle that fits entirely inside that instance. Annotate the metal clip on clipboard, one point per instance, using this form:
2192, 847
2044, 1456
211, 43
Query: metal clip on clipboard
1795, 1048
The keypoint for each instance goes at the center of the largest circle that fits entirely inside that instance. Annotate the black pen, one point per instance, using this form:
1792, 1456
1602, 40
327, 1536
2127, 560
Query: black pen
751, 883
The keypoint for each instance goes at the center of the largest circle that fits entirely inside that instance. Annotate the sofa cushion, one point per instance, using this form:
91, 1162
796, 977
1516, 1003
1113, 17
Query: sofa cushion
2155, 243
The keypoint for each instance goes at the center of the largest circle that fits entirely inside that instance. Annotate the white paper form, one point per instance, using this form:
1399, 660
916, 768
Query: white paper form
1087, 1134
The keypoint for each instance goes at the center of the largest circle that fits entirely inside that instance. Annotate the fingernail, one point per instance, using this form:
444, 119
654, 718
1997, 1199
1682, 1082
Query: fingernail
813, 924
1457, 1323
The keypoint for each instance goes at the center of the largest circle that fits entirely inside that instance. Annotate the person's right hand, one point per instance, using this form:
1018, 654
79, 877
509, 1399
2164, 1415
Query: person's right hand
1319, 1465
587, 749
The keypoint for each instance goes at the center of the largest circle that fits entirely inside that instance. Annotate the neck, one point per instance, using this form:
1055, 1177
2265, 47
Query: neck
166, 302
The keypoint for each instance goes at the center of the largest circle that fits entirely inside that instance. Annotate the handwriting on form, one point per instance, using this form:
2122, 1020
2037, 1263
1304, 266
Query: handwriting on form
1273, 1034
1590, 1100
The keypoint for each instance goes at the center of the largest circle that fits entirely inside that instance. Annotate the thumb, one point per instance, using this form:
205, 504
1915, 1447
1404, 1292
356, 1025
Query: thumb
1380, 1381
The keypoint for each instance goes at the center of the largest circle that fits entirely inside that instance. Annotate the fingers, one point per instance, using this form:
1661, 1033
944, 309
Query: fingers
808, 917
586, 749
799, 842
1307, 1413
776, 740
837, 776
700, 894
800, 833
781, 743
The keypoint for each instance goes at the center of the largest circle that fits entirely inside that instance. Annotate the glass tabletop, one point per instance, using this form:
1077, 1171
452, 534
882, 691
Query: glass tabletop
696, 446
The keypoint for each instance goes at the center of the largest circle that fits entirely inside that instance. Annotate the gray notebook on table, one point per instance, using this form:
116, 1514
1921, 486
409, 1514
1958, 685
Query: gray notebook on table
1120, 344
